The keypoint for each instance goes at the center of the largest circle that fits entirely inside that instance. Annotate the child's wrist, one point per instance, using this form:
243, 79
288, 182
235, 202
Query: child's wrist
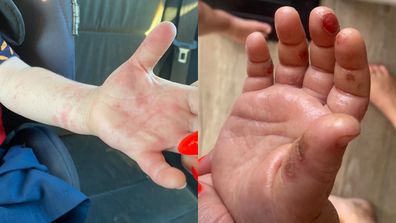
85, 111
75, 118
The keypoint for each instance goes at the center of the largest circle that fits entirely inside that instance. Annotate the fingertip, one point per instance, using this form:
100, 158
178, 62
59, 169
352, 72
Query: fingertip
288, 26
285, 10
348, 35
323, 145
252, 38
170, 27
171, 178
350, 49
269, 29
154, 46
257, 48
323, 26
348, 125
333, 128
352, 73
182, 187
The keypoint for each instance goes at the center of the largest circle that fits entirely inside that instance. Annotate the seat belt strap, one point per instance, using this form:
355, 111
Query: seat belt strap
185, 40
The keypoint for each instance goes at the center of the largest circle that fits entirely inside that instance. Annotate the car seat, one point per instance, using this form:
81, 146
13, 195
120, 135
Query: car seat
29, 27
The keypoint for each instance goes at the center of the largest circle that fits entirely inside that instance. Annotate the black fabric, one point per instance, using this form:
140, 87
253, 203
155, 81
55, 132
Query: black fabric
185, 19
12, 27
49, 150
110, 32
120, 192
185, 43
49, 42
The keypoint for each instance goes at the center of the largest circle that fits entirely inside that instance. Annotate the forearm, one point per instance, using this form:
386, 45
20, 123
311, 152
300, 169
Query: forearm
44, 96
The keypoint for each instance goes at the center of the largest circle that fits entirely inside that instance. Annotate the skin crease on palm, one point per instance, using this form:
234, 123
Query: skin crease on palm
279, 151
153, 114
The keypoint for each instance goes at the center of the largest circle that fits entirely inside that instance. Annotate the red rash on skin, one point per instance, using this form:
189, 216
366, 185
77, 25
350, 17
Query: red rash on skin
330, 23
270, 69
303, 55
141, 100
350, 77
55, 120
64, 115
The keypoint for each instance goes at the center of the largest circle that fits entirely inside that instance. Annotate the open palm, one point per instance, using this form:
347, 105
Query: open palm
280, 149
141, 114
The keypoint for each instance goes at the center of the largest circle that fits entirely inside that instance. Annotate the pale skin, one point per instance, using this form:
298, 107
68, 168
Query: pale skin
134, 111
279, 151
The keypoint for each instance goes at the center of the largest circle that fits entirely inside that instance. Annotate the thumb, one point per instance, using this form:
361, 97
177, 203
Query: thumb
156, 167
324, 143
154, 46
308, 172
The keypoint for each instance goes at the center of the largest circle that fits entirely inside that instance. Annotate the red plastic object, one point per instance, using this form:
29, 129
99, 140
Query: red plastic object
194, 173
189, 145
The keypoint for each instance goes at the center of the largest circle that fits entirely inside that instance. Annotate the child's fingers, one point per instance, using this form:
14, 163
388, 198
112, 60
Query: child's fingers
292, 48
259, 64
351, 90
156, 167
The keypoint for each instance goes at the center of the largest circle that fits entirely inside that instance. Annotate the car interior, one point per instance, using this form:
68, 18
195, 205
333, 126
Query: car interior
86, 40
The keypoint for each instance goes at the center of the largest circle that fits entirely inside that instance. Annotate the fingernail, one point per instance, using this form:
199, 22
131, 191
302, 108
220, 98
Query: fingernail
199, 188
181, 188
189, 145
330, 23
194, 173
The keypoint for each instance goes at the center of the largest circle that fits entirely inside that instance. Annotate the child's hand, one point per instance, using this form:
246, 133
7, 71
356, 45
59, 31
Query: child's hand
279, 151
141, 114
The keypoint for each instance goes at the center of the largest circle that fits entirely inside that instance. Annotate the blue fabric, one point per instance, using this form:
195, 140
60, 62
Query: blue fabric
6, 51
29, 194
